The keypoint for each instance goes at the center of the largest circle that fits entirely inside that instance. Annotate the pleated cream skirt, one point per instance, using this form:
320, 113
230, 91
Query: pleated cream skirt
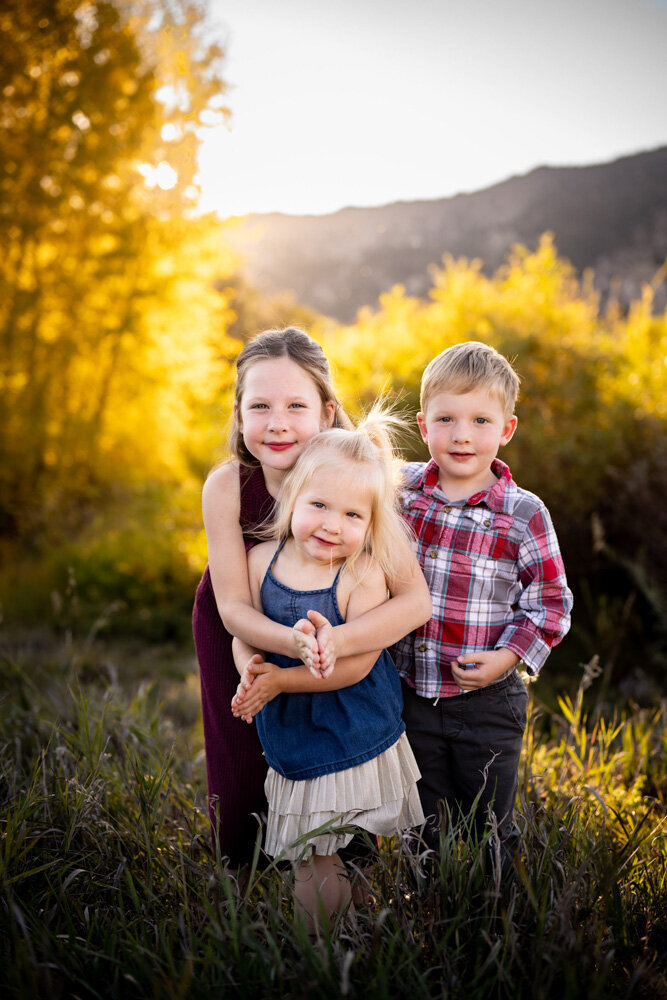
379, 796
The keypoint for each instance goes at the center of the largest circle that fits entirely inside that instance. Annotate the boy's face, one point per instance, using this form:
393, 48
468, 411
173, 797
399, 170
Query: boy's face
463, 432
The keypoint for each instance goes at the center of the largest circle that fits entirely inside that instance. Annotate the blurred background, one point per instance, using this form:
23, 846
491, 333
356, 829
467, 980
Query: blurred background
176, 177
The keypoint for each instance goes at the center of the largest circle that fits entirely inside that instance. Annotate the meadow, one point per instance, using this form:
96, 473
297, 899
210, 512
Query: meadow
121, 316
109, 888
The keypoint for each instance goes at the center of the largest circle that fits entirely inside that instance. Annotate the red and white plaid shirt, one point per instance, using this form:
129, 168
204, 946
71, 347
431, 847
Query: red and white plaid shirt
495, 573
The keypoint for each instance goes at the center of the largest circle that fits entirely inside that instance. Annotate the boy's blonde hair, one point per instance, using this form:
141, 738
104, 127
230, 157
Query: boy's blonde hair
371, 446
289, 343
467, 367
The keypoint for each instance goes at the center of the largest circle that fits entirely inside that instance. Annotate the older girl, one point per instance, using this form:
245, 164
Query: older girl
283, 398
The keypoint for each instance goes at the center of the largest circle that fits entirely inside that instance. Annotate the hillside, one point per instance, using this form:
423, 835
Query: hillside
610, 217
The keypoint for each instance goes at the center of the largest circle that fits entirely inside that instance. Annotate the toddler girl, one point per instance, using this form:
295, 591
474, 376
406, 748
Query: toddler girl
338, 754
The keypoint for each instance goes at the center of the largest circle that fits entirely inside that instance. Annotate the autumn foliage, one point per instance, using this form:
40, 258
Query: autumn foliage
110, 324
121, 313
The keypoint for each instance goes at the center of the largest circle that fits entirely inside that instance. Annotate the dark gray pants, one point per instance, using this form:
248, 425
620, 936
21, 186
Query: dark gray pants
466, 746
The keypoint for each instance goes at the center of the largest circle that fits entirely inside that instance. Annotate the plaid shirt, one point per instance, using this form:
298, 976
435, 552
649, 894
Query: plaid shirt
495, 574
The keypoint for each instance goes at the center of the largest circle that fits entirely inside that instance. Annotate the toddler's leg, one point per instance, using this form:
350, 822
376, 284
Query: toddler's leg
322, 889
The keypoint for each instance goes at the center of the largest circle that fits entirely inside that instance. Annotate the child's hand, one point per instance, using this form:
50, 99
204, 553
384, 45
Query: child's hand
305, 641
248, 675
313, 637
325, 642
250, 671
489, 665
247, 702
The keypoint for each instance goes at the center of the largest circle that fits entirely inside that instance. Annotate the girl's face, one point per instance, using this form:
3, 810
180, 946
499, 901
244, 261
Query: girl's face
332, 515
280, 411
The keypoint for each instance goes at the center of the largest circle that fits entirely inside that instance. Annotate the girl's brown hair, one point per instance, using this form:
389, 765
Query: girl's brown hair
304, 351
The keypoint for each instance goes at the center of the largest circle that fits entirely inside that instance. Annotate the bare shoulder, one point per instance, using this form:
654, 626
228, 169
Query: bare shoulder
260, 556
221, 493
362, 588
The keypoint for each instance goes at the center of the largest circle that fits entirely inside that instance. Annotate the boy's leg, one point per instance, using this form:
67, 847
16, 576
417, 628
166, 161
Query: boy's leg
429, 733
487, 753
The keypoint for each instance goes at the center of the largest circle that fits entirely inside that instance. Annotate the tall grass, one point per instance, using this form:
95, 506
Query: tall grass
108, 887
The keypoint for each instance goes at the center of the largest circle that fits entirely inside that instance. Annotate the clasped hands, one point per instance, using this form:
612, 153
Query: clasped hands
260, 680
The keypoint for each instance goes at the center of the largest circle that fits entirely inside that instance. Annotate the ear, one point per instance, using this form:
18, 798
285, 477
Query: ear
421, 420
508, 430
328, 413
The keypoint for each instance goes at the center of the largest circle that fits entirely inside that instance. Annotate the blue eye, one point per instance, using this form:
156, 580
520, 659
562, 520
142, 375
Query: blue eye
481, 420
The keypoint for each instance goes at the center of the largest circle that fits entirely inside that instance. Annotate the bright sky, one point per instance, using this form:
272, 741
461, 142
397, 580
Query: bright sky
365, 102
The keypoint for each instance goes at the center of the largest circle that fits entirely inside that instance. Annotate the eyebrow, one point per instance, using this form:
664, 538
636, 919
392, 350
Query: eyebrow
264, 399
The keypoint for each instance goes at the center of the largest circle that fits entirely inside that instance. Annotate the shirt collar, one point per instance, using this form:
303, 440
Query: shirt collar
498, 497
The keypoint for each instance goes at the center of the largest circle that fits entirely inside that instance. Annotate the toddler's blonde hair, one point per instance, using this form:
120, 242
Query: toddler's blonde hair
370, 446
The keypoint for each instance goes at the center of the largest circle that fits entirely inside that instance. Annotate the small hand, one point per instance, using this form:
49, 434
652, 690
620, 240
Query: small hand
247, 702
250, 671
325, 642
236, 705
489, 665
305, 641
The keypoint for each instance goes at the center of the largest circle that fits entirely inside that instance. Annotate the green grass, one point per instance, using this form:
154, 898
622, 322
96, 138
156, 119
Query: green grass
108, 888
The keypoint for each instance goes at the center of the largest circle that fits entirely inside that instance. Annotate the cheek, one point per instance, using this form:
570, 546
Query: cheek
360, 534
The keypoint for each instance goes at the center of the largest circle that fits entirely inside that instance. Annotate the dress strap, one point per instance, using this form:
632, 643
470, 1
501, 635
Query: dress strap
275, 555
334, 586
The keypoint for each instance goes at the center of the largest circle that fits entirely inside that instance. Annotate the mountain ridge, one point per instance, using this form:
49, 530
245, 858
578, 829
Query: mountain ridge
610, 218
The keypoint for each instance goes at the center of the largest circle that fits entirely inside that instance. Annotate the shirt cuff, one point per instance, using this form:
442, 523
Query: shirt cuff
531, 647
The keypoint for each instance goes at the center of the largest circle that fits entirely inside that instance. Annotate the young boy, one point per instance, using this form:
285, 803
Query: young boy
491, 559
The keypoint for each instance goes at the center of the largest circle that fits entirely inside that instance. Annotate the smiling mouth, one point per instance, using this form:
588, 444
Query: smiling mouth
324, 541
461, 455
279, 445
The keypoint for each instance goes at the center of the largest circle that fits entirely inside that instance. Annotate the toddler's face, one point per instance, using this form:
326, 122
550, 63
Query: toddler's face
333, 514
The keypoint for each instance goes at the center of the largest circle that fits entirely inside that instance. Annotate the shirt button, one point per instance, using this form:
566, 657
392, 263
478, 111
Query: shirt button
432, 554
446, 509
487, 524
422, 647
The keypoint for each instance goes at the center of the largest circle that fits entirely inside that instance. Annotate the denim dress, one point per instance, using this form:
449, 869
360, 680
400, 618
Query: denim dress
339, 755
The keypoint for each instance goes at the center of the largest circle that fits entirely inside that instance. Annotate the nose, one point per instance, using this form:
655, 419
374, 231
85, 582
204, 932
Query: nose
277, 421
460, 433
331, 524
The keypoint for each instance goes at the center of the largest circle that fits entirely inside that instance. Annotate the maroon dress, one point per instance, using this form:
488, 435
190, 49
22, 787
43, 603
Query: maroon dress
235, 767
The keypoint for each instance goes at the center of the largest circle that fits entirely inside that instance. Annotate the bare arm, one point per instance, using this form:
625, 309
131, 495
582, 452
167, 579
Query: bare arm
270, 680
410, 606
221, 504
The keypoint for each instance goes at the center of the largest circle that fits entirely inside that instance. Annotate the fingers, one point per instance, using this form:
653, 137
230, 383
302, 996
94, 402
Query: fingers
259, 668
305, 626
318, 619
